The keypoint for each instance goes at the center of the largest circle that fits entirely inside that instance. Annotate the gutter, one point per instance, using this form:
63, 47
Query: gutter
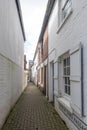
50, 6
20, 17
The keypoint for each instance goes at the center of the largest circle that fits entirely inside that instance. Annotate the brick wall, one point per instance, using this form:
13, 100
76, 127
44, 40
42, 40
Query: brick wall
45, 45
41, 75
38, 55
38, 75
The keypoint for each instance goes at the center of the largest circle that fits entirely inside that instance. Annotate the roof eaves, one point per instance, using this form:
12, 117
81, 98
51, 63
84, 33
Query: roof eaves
20, 18
50, 6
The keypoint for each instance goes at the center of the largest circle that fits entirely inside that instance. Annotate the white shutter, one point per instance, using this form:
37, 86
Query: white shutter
75, 79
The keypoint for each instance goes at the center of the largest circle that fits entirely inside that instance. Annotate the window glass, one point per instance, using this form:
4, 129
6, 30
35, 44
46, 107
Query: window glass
66, 8
68, 61
68, 70
66, 66
63, 3
64, 62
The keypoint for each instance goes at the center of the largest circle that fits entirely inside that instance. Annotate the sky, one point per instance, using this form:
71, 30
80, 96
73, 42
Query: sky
33, 12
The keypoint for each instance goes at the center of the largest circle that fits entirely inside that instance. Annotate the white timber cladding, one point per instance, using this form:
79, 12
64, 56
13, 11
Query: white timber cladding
11, 45
11, 57
72, 32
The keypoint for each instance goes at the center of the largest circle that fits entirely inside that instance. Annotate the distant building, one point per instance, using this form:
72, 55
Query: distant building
34, 67
12, 39
30, 69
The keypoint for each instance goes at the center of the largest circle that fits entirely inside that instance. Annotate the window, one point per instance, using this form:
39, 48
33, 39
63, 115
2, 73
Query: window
70, 73
66, 8
66, 75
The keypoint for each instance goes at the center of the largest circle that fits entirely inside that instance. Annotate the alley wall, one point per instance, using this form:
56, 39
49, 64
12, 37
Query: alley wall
11, 57
68, 38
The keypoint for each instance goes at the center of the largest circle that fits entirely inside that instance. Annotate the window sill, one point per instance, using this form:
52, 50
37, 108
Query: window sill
61, 25
65, 103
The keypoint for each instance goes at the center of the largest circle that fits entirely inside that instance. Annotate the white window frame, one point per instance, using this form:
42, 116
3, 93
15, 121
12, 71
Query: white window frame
63, 98
62, 76
64, 6
61, 18
66, 76
71, 102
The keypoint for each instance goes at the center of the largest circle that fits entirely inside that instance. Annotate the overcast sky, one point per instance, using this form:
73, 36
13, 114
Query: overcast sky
33, 13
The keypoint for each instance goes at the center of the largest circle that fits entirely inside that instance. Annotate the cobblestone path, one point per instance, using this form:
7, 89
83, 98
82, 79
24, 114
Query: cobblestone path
33, 112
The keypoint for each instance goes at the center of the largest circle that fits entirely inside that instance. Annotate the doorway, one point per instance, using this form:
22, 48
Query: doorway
52, 82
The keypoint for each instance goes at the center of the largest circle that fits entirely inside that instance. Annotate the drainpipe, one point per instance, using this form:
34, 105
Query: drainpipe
59, 91
82, 84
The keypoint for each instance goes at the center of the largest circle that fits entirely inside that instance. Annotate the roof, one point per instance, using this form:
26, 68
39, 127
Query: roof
20, 17
50, 5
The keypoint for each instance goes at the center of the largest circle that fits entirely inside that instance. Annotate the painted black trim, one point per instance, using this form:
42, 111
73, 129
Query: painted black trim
20, 18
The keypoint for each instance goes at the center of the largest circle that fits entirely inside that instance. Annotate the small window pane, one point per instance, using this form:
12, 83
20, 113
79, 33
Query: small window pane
65, 89
65, 71
63, 2
68, 81
68, 90
68, 61
68, 70
65, 62
67, 8
65, 80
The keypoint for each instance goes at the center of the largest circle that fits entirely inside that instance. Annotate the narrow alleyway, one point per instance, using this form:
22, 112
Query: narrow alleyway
33, 112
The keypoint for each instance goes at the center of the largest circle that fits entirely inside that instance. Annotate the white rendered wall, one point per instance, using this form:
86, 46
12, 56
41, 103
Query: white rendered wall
11, 57
34, 70
73, 31
25, 79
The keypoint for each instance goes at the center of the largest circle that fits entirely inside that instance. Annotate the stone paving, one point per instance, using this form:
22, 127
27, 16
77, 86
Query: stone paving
33, 112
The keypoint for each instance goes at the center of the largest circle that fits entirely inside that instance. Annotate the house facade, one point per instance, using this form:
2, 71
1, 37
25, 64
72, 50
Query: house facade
34, 68
42, 51
40, 66
11, 56
67, 54
30, 70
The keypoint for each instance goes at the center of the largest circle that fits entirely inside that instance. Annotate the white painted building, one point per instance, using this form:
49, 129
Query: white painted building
67, 50
11, 56
34, 68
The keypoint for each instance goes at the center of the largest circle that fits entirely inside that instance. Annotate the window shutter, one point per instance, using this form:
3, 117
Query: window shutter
76, 79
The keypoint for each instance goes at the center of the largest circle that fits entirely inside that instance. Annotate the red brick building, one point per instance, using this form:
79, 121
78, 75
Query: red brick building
42, 63
43, 51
